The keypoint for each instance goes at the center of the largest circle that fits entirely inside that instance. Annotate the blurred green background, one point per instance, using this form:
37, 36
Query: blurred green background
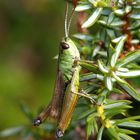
30, 32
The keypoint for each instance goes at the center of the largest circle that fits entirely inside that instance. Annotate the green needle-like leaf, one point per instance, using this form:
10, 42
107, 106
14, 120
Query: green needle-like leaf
80, 8
128, 119
112, 133
11, 131
109, 83
116, 40
134, 73
83, 37
91, 125
86, 113
135, 16
117, 23
102, 96
128, 58
126, 131
116, 111
90, 76
118, 50
131, 124
90, 67
123, 69
118, 79
130, 90
100, 3
100, 133
119, 12
115, 104
125, 137
25, 109
102, 67
93, 18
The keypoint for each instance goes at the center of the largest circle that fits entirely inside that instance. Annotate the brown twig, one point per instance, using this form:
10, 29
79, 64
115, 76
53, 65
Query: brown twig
128, 44
81, 18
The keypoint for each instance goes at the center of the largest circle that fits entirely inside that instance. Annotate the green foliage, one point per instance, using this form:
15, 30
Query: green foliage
106, 20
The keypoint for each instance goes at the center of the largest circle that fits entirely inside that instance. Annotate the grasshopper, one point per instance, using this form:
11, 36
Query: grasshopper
64, 98
66, 90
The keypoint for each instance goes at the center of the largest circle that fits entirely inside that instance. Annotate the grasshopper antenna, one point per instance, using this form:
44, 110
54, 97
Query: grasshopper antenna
68, 23
70, 19
66, 20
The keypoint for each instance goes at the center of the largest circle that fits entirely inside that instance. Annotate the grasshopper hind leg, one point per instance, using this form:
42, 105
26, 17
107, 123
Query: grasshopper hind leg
59, 133
37, 122
43, 115
54, 108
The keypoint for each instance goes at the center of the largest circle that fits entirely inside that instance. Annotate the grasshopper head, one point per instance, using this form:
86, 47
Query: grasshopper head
68, 47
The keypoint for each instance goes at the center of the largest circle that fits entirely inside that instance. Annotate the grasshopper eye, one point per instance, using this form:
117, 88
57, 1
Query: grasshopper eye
64, 45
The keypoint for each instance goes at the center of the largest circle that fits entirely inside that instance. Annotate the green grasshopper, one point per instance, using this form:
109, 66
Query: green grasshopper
67, 84
66, 91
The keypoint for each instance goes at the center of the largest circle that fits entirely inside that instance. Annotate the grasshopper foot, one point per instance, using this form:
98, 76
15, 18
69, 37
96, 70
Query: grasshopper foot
37, 122
59, 133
